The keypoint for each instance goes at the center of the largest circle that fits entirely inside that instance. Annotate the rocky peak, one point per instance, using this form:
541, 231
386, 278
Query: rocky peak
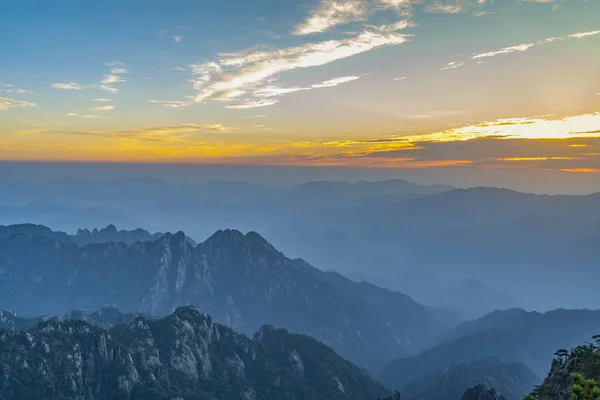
174, 239
233, 237
481, 392
192, 314
266, 331
226, 236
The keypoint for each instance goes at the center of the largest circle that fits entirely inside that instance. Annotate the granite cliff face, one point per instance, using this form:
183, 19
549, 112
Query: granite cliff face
241, 280
183, 356
481, 392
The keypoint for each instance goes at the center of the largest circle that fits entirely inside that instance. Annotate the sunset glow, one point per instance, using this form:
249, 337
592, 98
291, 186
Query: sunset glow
345, 83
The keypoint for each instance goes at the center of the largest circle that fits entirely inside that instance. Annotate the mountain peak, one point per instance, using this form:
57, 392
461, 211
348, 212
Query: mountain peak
265, 331
230, 237
225, 235
191, 314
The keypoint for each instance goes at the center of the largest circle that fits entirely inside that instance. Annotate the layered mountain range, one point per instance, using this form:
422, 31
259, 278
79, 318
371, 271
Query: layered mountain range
383, 230
245, 284
241, 280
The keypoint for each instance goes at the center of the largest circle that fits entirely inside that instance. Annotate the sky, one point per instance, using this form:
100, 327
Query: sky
459, 86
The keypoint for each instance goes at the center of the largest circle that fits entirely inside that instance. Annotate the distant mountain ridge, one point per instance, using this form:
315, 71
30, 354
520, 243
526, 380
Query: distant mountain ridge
391, 226
242, 280
511, 380
84, 237
184, 355
511, 336
104, 318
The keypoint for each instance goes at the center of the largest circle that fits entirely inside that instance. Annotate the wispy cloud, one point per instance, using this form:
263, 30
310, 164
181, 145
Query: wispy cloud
9, 88
103, 108
101, 99
246, 71
110, 79
106, 88
67, 86
330, 13
335, 82
107, 83
582, 170
452, 65
177, 39
170, 104
401, 78
273, 91
519, 48
583, 34
254, 104
85, 116
505, 50
527, 46
443, 8
161, 134
6, 103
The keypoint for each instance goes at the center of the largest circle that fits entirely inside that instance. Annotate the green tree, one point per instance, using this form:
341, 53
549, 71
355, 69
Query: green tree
584, 389
562, 355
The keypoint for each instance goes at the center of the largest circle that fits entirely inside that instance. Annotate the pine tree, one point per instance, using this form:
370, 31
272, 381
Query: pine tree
584, 389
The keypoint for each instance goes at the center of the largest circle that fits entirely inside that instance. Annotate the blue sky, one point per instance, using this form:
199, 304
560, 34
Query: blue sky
374, 83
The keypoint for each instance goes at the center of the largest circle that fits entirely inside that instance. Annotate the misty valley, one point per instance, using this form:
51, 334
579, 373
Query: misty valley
299, 200
430, 292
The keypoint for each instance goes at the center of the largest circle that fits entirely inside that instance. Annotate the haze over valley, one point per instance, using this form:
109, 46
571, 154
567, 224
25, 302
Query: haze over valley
300, 200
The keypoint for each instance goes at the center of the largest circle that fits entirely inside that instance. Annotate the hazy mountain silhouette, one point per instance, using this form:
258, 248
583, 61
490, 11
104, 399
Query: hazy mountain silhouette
242, 280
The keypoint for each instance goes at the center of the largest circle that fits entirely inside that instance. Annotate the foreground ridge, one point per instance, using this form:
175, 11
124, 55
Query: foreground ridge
184, 355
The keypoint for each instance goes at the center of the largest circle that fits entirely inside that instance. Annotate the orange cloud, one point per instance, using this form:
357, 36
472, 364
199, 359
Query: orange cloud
582, 170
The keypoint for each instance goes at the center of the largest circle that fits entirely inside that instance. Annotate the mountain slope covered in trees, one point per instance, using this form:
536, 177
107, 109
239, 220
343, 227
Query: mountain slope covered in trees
183, 356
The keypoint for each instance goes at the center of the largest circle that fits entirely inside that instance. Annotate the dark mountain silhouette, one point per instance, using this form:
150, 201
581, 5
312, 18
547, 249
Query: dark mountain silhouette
184, 355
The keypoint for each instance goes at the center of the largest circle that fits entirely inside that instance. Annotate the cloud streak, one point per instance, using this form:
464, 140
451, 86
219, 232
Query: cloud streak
6, 103
9, 88
519, 48
331, 13
253, 104
273, 91
169, 134
237, 73
170, 103
103, 108
107, 83
85, 116
67, 86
